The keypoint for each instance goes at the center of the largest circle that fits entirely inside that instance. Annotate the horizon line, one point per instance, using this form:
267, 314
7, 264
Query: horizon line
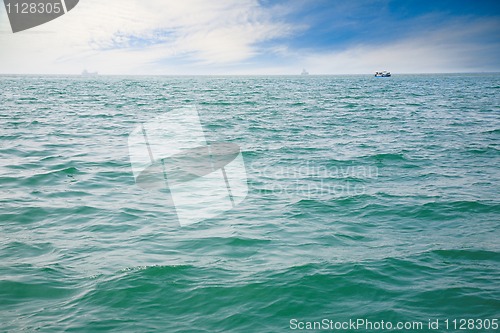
177, 75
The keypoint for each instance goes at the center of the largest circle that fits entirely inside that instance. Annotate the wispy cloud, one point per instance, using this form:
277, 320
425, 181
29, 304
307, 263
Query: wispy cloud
136, 33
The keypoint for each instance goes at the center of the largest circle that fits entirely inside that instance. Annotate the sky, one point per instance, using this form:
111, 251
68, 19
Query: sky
251, 37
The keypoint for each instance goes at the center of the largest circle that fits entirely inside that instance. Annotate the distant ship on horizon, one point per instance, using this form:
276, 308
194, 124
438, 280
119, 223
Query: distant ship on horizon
383, 74
87, 73
304, 72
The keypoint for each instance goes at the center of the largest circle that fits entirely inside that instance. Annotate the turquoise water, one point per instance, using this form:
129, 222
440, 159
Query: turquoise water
368, 198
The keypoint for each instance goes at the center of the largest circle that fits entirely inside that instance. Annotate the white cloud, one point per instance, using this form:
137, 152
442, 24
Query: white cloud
103, 35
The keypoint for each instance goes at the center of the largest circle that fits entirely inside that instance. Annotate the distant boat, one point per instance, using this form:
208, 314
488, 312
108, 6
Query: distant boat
383, 74
87, 73
304, 72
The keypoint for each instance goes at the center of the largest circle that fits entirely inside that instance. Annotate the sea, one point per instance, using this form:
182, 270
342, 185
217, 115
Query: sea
373, 204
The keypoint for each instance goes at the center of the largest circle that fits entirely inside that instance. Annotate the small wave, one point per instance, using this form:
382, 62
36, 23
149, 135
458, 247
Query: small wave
468, 254
494, 131
483, 150
14, 292
432, 210
387, 157
49, 176
239, 241
221, 103
311, 203
13, 249
67, 171
28, 99
354, 200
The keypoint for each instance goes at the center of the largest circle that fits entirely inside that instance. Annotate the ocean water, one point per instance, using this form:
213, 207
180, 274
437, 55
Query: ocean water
369, 198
